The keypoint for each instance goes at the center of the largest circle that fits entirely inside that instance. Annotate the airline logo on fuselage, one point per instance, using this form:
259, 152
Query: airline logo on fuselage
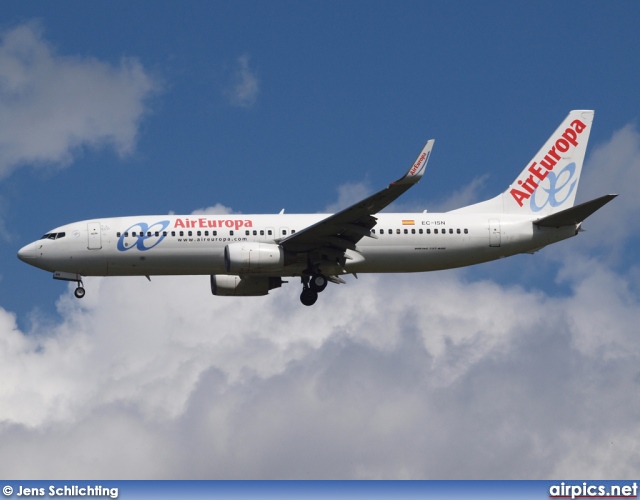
149, 236
529, 184
206, 223
147, 232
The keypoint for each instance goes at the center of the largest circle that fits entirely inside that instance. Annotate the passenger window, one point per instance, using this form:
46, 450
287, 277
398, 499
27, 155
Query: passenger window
450, 231
269, 232
397, 231
428, 231
284, 232
164, 233
390, 231
247, 232
466, 231
255, 233
231, 232
420, 231
148, 233
458, 231
293, 231
190, 233
435, 231
173, 233
181, 233
157, 233
215, 233
199, 233
118, 234
206, 233
406, 231
126, 234
413, 231
261, 232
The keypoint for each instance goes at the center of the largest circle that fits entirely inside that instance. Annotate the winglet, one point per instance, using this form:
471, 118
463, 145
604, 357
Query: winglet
416, 171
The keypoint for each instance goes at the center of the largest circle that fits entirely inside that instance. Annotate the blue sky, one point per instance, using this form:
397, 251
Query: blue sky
123, 108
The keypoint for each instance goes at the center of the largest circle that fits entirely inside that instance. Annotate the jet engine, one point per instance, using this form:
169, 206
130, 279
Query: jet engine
226, 285
252, 257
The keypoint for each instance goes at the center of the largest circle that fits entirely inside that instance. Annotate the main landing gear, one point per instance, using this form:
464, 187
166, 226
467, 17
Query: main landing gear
311, 287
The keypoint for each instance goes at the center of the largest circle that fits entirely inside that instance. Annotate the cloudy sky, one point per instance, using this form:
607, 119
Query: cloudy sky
524, 368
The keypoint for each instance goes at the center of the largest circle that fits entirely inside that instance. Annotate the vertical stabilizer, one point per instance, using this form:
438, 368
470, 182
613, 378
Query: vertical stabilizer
549, 182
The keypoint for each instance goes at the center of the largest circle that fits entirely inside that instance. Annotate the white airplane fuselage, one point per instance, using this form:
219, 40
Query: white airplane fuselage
175, 245
249, 255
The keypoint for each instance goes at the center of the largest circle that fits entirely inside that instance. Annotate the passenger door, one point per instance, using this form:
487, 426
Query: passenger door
95, 236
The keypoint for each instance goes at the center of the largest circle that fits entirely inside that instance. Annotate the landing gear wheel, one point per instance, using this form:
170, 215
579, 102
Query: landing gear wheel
318, 282
308, 297
79, 292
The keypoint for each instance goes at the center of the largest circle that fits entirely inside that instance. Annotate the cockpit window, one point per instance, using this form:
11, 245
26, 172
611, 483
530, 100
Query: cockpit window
53, 236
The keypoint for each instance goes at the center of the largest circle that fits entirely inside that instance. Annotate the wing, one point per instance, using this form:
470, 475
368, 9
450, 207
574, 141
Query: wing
330, 238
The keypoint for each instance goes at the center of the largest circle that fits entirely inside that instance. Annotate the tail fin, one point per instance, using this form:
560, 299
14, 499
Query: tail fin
549, 182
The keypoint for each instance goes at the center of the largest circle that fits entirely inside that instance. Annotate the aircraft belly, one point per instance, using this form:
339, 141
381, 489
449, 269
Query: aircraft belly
429, 255
85, 264
167, 262
397, 259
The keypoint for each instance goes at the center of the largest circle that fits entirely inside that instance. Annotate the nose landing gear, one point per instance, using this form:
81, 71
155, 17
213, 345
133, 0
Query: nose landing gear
80, 291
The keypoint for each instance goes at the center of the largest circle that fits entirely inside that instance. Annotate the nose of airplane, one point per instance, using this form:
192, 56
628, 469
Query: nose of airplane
27, 253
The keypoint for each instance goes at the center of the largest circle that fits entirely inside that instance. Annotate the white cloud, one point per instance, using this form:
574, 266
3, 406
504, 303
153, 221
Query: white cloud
52, 105
216, 209
466, 195
407, 376
614, 168
245, 88
348, 194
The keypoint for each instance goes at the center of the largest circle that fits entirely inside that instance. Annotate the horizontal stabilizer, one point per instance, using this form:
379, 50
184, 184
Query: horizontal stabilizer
575, 215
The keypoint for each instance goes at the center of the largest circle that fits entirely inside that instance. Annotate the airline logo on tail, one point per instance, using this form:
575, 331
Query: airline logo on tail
557, 182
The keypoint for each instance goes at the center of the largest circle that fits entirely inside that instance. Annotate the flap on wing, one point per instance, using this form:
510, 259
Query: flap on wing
575, 215
345, 228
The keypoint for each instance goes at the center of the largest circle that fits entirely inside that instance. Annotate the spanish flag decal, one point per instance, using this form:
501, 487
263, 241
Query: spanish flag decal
408, 222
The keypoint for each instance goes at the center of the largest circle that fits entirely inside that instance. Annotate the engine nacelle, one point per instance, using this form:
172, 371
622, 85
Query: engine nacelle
224, 285
253, 257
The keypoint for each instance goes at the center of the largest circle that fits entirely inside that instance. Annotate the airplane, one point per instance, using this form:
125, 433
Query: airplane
249, 255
